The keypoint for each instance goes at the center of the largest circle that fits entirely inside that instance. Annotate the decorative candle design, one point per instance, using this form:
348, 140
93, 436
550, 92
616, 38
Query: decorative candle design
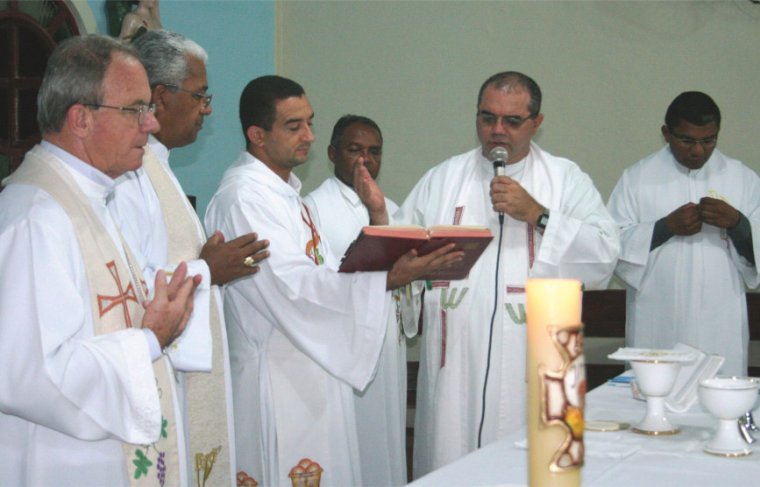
556, 382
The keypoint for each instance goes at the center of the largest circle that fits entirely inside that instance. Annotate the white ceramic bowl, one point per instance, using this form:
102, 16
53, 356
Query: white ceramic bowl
728, 397
655, 378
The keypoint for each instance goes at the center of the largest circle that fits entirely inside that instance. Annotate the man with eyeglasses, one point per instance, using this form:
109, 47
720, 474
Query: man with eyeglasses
554, 225
687, 215
158, 221
86, 396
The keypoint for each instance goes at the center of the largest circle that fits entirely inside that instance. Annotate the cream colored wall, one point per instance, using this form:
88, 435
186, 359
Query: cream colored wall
607, 69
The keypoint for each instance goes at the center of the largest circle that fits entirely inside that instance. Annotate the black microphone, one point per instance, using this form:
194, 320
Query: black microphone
498, 156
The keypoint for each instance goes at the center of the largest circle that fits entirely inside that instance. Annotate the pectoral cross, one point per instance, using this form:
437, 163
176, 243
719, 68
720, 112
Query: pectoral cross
107, 303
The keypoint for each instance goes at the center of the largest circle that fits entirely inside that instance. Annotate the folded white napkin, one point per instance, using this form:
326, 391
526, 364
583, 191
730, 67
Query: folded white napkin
651, 354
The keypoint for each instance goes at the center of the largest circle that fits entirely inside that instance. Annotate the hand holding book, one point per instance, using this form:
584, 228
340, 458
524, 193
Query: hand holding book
378, 248
411, 267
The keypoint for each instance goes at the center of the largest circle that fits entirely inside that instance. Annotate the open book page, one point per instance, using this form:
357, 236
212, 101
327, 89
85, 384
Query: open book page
444, 231
400, 231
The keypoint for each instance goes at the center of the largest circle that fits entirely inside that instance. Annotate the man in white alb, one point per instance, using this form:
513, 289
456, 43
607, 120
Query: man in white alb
86, 397
301, 334
340, 214
687, 215
159, 223
555, 225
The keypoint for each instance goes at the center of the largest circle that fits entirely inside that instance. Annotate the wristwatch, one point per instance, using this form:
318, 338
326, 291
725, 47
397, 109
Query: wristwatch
543, 220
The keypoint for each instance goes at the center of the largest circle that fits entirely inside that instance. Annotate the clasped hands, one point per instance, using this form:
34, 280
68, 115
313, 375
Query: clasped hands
232, 260
688, 219
168, 312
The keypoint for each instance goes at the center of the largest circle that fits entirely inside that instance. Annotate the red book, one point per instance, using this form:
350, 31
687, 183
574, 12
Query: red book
378, 247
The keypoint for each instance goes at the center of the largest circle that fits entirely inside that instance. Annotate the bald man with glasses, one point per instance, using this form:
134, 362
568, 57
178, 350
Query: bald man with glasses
687, 215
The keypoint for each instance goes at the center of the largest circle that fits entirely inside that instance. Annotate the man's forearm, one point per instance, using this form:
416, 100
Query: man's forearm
741, 236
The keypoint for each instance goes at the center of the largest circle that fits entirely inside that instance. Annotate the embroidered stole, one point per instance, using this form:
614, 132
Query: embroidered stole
207, 403
116, 304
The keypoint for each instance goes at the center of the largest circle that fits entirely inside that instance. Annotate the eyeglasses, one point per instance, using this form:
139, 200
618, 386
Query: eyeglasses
198, 96
140, 110
511, 121
690, 142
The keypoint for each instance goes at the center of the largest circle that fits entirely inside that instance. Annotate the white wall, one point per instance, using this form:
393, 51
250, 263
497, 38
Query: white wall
608, 70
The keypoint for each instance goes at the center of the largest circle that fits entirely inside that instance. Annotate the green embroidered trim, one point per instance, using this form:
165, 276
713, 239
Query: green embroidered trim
142, 463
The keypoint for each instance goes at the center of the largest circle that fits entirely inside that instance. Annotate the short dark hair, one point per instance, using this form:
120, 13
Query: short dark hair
694, 107
511, 80
75, 74
257, 102
346, 121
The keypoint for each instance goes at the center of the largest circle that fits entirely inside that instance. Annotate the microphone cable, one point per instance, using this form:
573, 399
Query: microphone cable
490, 333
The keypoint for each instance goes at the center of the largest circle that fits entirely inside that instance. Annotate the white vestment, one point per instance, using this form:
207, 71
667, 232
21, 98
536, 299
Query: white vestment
301, 335
381, 407
580, 242
68, 397
140, 215
691, 288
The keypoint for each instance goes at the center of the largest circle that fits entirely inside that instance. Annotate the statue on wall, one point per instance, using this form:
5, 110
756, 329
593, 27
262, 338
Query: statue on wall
127, 21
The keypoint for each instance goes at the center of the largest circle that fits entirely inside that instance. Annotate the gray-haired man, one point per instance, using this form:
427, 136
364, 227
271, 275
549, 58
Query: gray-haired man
86, 397
158, 221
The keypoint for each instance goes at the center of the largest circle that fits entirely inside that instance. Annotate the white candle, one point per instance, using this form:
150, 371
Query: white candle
556, 382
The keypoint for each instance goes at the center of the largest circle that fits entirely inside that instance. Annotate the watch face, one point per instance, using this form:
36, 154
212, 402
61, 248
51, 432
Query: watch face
543, 220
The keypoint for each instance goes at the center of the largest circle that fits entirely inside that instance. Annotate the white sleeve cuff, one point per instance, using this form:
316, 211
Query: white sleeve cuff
154, 346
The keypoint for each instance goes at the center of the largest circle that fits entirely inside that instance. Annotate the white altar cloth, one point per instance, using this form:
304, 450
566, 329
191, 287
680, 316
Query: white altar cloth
614, 459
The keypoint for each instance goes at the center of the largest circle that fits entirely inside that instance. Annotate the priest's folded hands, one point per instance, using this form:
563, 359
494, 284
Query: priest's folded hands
172, 304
